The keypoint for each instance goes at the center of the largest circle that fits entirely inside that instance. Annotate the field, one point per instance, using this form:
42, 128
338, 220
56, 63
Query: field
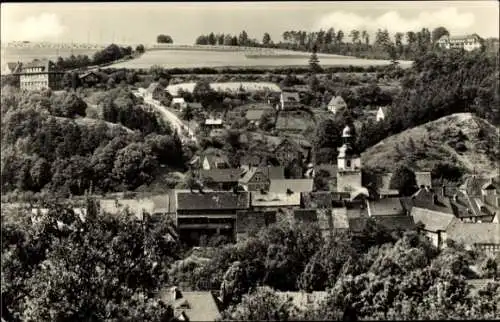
28, 54
178, 58
227, 86
212, 58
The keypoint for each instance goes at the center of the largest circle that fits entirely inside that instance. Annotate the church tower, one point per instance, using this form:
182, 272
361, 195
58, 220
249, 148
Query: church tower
348, 163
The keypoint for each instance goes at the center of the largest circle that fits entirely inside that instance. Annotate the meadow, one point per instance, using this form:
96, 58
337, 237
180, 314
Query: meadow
227, 86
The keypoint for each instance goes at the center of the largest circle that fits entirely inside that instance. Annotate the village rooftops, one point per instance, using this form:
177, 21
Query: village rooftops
433, 221
254, 115
474, 233
212, 200
290, 96
291, 185
275, 199
270, 172
385, 207
222, 175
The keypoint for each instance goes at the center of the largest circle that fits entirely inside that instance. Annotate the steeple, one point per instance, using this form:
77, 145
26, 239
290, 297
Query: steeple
347, 159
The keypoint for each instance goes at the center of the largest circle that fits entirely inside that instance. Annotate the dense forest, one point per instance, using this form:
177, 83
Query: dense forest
402, 46
50, 143
65, 268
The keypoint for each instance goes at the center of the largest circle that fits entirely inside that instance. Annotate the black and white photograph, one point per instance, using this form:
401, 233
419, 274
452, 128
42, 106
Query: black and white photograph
250, 161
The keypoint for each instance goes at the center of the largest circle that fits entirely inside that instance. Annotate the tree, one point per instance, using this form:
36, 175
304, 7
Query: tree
140, 49
354, 34
134, 165
267, 120
404, 180
266, 40
314, 60
243, 38
439, 32
164, 39
204, 94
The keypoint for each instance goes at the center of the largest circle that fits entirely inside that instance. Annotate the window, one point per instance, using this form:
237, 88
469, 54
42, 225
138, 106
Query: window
348, 163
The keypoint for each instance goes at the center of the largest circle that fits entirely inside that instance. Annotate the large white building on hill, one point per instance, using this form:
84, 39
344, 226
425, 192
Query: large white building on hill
467, 42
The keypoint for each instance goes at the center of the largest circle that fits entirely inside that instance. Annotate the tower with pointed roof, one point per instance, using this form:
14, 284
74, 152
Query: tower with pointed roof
348, 163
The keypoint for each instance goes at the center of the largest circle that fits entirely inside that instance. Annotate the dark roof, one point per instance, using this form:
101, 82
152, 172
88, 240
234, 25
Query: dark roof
433, 220
402, 222
290, 96
222, 175
88, 74
212, 200
253, 220
357, 224
474, 233
319, 199
295, 185
330, 168
305, 215
14, 67
274, 173
385, 207
43, 63
427, 199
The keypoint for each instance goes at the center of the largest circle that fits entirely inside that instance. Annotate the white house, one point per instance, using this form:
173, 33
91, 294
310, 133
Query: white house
381, 113
468, 42
336, 104
179, 103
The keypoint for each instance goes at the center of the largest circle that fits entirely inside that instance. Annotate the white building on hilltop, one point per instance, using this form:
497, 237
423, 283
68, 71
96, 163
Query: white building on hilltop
467, 42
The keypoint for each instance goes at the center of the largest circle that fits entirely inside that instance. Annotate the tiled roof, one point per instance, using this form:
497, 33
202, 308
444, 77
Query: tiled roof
152, 87
196, 306
295, 185
423, 179
212, 200
222, 175
214, 159
274, 173
254, 115
433, 220
319, 199
290, 96
253, 220
402, 222
44, 63
275, 199
88, 74
305, 215
385, 207
474, 233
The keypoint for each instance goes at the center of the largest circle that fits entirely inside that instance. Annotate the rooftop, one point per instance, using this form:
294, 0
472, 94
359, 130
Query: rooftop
226, 200
275, 199
196, 306
337, 101
385, 207
474, 233
294, 185
433, 220
222, 175
290, 96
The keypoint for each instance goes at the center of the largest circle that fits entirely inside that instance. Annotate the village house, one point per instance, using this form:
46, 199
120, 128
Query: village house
467, 42
191, 305
381, 113
435, 224
208, 213
38, 75
483, 236
336, 104
210, 161
155, 91
213, 123
178, 103
251, 221
267, 201
259, 178
291, 186
477, 199
89, 78
289, 101
221, 179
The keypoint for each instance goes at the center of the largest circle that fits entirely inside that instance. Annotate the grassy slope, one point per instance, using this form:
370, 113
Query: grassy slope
435, 141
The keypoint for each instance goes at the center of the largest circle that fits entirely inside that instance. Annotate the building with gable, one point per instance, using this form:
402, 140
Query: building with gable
467, 42
289, 101
38, 75
337, 104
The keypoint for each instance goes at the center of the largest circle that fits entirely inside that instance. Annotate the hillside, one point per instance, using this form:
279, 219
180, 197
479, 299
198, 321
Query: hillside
462, 138
87, 124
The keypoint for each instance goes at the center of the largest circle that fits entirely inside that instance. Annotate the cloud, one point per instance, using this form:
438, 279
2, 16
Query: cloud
394, 22
45, 26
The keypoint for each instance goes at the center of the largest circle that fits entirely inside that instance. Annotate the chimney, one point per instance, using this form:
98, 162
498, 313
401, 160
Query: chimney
289, 191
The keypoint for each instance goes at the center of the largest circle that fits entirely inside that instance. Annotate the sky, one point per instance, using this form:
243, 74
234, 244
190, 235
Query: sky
136, 23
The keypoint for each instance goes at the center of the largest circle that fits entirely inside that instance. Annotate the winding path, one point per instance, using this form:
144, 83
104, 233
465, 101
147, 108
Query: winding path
185, 133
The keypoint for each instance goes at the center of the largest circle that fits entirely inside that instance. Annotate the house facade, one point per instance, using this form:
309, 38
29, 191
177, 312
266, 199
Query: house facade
39, 75
467, 42
289, 101
155, 91
381, 113
336, 104
89, 78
